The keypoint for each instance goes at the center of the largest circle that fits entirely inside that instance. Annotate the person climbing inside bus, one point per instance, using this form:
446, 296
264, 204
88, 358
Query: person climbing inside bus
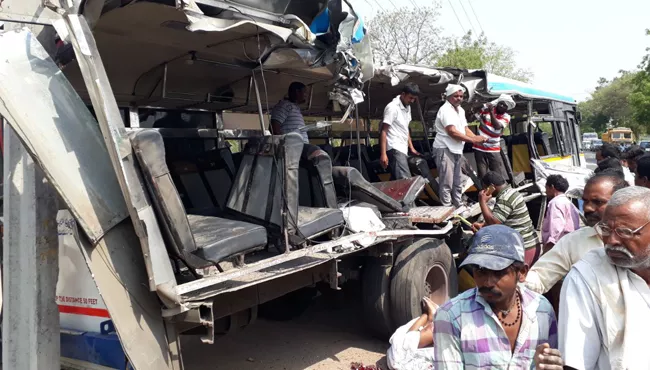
286, 117
493, 118
395, 138
497, 324
452, 133
509, 209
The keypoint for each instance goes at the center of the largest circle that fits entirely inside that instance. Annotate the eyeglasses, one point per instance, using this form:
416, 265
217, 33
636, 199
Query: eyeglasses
622, 232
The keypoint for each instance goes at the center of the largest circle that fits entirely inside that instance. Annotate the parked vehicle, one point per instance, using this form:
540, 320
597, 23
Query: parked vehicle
619, 136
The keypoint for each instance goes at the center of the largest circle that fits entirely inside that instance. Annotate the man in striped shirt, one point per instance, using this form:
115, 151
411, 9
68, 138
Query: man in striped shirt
286, 116
510, 210
499, 324
493, 118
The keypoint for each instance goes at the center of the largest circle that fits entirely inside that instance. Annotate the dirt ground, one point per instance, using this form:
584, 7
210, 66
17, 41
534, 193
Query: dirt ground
324, 337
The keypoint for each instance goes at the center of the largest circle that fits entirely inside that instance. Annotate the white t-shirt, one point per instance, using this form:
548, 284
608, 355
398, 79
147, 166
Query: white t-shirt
397, 117
448, 116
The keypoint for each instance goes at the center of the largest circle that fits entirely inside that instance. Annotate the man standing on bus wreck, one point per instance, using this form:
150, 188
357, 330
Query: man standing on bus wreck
493, 118
451, 135
395, 138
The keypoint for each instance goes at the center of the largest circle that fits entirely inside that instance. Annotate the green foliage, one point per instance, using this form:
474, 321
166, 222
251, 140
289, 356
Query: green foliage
640, 97
623, 101
609, 105
479, 53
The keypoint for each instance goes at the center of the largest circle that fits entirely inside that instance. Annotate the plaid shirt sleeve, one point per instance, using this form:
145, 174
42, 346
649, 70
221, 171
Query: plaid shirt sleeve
446, 333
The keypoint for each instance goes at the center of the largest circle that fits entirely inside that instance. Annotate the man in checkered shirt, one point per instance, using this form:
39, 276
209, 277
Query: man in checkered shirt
499, 324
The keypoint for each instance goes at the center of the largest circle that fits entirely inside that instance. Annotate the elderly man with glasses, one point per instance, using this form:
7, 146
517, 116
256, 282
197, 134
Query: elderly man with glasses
605, 301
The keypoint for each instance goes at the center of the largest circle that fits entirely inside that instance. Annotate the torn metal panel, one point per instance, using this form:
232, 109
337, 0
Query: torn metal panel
57, 128
119, 150
288, 263
118, 269
62, 136
200, 22
409, 73
430, 215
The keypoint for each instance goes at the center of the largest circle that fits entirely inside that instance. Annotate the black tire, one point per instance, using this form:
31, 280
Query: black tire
289, 306
418, 270
375, 290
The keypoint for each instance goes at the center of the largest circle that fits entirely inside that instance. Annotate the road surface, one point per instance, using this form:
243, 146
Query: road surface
323, 338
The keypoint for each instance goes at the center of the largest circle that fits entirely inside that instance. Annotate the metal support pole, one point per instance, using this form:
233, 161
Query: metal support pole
30, 335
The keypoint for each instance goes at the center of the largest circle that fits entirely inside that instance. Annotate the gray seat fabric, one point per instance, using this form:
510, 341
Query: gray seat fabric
349, 181
268, 180
219, 238
188, 239
315, 221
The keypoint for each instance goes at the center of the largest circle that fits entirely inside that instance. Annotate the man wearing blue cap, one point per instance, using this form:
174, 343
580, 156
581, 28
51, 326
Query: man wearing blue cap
499, 323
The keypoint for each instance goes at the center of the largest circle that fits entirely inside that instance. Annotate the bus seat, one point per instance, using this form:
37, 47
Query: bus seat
198, 241
389, 197
519, 153
543, 143
218, 168
268, 180
319, 185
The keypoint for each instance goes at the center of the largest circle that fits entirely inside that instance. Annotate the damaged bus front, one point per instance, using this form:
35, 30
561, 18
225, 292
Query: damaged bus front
151, 164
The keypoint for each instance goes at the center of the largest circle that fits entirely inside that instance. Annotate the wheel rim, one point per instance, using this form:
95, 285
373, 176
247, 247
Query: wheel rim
436, 285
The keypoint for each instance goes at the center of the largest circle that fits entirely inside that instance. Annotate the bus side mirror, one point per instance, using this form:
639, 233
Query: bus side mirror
578, 115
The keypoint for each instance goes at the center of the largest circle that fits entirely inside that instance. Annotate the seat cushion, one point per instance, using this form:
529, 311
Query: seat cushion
218, 238
313, 221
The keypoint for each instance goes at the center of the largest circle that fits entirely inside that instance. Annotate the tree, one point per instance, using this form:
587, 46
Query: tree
609, 105
407, 35
640, 97
479, 53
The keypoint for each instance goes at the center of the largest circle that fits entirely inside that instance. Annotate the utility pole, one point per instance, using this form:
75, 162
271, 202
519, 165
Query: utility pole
30, 326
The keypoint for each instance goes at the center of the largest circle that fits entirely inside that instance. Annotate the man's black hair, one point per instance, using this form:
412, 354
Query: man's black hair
610, 162
411, 88
295, 86
608, 150
643, 166
617, 178
493, 178
558, 182
633, 153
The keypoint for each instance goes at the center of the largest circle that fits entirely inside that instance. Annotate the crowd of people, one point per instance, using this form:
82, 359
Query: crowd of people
582, 304
575, 298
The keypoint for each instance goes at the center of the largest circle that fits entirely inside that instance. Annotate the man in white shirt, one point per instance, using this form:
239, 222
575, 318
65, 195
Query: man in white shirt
605, 302
554, 265
451, 135
395, 138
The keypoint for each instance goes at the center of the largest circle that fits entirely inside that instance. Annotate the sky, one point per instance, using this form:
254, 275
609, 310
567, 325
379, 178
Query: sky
567, 44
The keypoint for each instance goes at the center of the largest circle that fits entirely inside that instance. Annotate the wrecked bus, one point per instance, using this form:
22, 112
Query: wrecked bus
150, 120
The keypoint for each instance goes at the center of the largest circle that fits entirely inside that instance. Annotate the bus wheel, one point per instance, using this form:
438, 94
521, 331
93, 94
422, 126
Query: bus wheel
425, 268
375, 288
